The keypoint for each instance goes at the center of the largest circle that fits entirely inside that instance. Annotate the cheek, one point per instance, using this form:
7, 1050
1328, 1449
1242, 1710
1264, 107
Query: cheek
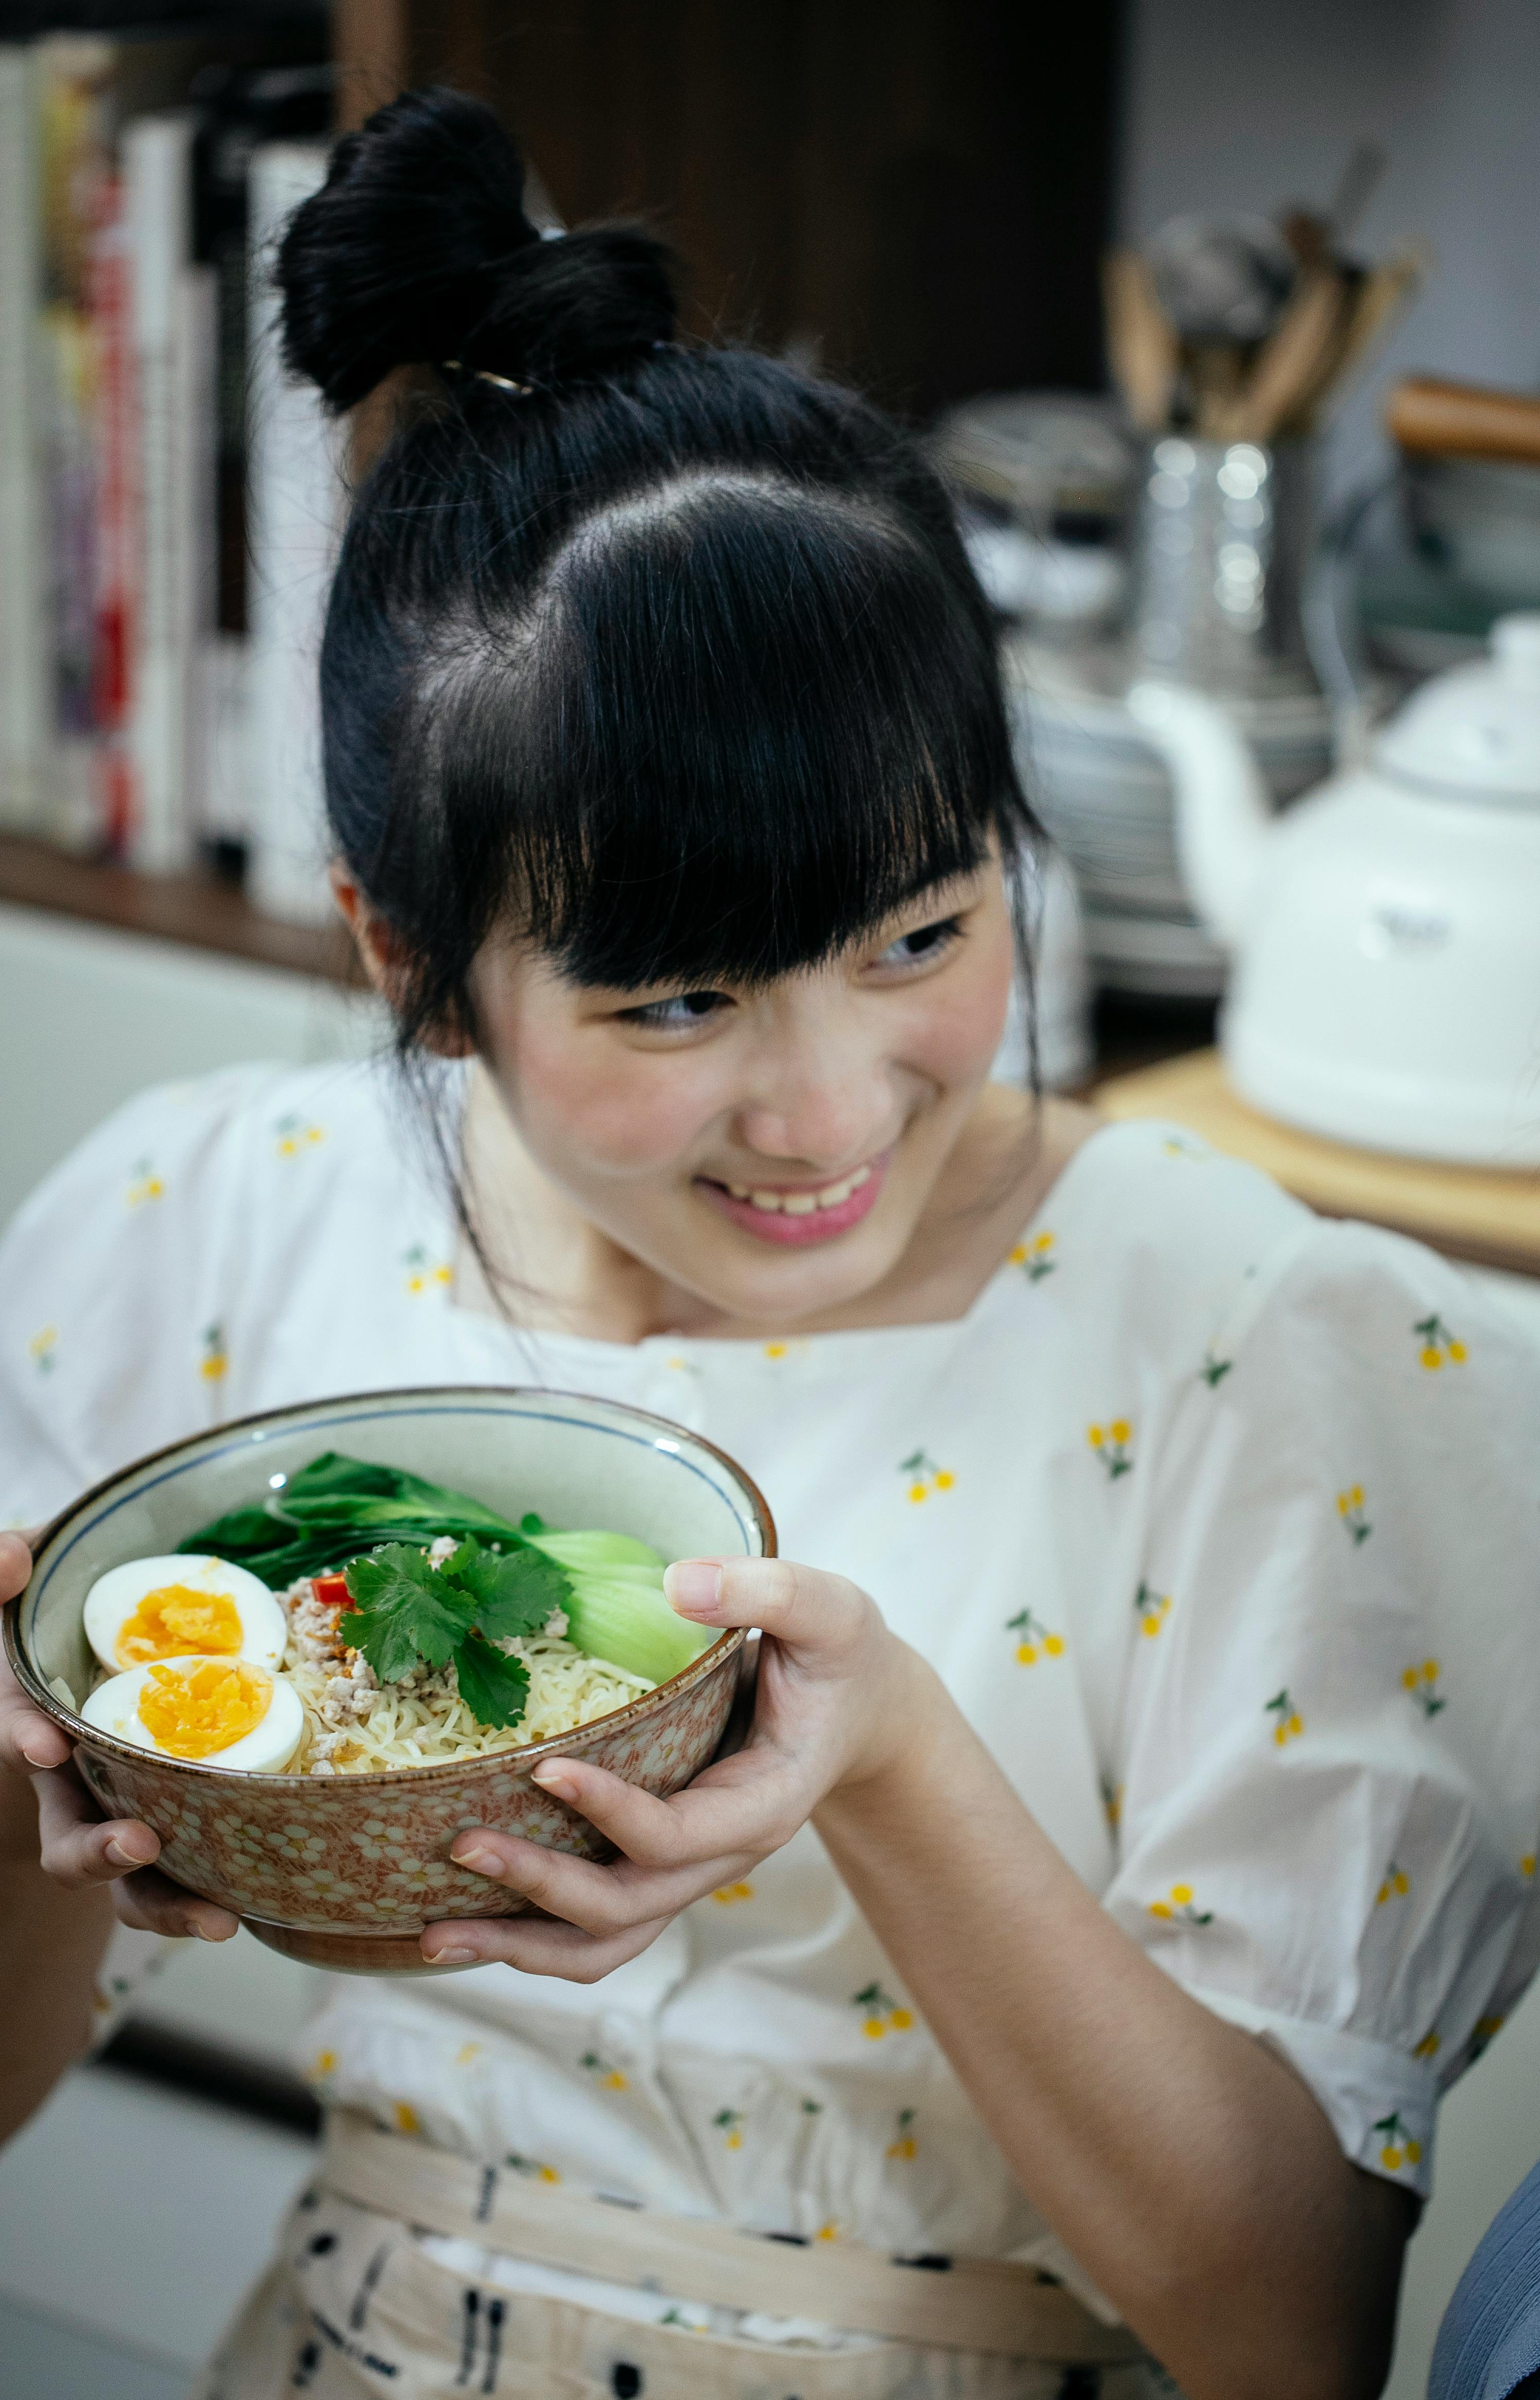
584, 1103
956, 1034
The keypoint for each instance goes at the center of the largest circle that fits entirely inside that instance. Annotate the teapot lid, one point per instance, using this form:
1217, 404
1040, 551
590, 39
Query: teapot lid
1475, 730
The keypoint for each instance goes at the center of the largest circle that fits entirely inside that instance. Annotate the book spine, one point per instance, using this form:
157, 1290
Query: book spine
172, 359
24, 691
118, 526
296, 508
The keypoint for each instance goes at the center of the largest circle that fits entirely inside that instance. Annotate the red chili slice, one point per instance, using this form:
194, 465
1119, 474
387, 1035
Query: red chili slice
331, 1591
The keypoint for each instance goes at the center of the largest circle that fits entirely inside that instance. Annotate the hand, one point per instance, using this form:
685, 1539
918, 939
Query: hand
78, 1849
839, 1696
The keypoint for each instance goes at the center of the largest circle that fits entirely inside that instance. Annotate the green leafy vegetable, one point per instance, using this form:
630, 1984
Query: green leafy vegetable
616, 1608
493, 1686
406, 1610
337, 1507
402, 1610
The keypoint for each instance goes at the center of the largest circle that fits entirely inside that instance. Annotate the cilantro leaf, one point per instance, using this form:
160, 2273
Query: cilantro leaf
402, 1611
493, 1687
513, 1593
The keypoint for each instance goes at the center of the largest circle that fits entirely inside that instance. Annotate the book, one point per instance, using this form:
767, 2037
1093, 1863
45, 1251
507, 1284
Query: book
24, 713
295, 509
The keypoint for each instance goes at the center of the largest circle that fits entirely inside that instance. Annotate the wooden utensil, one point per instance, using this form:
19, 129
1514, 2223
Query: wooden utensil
1294, 360
1458, 420
1142, 344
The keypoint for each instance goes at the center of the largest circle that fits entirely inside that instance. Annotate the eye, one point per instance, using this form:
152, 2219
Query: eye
677, 1014
923, 944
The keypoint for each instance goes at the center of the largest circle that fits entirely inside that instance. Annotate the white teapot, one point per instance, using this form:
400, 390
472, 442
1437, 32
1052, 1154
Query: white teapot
1387, 929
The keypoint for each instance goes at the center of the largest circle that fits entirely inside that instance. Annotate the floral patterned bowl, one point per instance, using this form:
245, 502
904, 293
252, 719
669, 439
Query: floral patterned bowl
345, 1871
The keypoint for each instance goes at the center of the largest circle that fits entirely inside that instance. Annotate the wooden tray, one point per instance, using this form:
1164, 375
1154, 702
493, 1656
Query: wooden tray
1486, 1215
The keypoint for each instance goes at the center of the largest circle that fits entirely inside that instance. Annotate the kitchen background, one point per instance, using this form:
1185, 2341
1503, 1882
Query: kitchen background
977, 210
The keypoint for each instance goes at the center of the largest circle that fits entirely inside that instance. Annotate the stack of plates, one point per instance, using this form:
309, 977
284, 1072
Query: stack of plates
1106, 798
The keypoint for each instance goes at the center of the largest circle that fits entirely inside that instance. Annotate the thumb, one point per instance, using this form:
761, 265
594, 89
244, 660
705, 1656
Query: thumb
801, 1607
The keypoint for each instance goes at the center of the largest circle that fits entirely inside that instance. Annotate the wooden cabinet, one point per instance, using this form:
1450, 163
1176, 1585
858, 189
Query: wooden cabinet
914, 191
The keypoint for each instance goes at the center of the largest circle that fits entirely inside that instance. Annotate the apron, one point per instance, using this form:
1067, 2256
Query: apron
355, 2304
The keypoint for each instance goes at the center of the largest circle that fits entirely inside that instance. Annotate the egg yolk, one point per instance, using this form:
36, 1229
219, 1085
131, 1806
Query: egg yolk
170, 1622
192, 1710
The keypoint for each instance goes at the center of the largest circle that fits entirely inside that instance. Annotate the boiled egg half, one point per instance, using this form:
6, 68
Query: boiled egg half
225, 1710
180, 1607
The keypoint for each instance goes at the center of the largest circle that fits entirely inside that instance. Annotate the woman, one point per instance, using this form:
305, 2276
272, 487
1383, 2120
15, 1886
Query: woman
1113, 1889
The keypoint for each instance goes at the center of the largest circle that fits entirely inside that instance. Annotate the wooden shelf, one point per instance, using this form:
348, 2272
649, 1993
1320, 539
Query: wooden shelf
196, 910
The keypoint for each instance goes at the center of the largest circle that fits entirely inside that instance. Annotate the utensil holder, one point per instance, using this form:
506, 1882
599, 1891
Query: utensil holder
1224, 537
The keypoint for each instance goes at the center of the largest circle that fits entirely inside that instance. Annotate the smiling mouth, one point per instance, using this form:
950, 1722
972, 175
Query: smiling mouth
793, 1218
798, 1203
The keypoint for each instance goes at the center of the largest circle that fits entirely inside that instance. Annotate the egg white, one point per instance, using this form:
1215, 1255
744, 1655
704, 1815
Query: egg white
267, 1749
114, 1598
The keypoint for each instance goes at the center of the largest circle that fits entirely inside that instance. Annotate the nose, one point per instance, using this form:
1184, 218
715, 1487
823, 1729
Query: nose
822, 1099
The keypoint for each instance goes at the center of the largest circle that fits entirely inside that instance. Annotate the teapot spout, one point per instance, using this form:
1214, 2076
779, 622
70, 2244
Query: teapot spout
1224, 808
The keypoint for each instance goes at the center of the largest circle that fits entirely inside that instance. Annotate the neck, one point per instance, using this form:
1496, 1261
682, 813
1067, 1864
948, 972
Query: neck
552, 1269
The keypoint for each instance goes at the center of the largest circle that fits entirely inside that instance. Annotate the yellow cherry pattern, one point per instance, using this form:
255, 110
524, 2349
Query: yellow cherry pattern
1113, 1444
923, 1476
215, 1359
726, 1893
1350, 1509
405, 2117
1526, 1866
1214, 1368
1035, 1258
1440, 1346
1033, 1639
881, 2014
1287, 1723
1112, 1801
1428, 2047
537, 2170
1395, 1886
1399, 2149
424, 1274
1421, 1683
903, 2145
292, 1134
1487, 2030
729, 2124
1152, 1608
145, 1184
608, 2078
41, 1348
1180, 1908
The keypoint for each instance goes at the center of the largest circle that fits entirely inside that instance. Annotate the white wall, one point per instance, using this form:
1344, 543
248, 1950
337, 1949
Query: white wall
1250, 104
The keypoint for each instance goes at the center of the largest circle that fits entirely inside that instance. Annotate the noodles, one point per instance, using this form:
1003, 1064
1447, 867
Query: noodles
355, 1725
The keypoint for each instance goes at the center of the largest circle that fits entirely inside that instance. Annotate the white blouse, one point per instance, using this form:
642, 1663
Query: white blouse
1221, 1523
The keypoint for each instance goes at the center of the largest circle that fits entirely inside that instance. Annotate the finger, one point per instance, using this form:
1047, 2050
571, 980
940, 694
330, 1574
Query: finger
15, 1564
535, 1946
740, 1804
77, 1848
802, 1606
600, 1901
27, 1738
152, 1904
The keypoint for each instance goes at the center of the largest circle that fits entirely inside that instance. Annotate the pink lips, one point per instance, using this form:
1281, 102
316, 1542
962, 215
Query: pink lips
798, 1232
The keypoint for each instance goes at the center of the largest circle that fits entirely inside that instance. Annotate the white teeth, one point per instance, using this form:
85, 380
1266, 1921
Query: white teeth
801, 1204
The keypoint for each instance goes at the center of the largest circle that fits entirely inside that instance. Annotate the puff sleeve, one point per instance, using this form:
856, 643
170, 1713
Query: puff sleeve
1329, 1732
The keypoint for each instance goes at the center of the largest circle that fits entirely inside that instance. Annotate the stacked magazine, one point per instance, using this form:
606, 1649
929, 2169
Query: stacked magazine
168, 501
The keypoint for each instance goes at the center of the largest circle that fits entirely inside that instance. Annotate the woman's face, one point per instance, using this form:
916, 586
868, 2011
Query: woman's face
770, 1152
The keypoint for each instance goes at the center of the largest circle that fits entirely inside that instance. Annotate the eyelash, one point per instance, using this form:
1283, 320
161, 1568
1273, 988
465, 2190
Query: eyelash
656, 1016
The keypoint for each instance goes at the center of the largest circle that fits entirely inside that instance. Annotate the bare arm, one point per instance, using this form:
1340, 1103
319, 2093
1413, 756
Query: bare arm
1187, 2167
56, 1912
1189, 2170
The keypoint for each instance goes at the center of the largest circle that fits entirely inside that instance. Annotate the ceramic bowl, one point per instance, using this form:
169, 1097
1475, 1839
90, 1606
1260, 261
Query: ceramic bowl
345, 1871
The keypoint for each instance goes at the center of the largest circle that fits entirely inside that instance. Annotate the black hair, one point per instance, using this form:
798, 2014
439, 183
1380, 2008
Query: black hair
666, 657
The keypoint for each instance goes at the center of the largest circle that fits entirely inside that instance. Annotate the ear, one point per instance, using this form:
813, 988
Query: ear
385, 955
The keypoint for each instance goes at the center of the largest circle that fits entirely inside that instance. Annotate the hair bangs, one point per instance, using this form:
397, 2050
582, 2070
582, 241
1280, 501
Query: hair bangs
744, 724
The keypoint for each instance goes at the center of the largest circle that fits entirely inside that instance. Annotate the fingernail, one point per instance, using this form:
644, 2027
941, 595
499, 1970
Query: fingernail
483, 1861
33, 1760
693, 1587
554, 1777
213, 1933
121, 1856
451, 1957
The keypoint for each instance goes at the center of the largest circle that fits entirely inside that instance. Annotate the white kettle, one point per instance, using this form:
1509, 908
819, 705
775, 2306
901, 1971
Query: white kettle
1387, 929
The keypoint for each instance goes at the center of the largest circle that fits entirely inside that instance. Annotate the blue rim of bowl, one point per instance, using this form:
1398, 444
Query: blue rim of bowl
663, 1430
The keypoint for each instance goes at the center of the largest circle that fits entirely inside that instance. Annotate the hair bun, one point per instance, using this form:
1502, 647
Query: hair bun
417, 247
